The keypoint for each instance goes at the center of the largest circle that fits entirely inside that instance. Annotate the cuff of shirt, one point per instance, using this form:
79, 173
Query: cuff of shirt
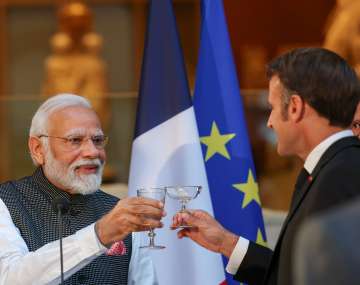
237, 256
90, 243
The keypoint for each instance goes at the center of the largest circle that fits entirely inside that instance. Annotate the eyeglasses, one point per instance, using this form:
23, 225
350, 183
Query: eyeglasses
75, 142
356, 124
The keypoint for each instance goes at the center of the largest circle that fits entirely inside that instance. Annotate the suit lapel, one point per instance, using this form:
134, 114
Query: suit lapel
300, 194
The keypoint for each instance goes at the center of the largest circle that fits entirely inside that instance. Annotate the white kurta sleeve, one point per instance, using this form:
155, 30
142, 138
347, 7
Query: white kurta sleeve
19, 266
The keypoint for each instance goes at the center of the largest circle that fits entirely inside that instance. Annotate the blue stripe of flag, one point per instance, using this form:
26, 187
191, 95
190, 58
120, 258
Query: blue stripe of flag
164, 90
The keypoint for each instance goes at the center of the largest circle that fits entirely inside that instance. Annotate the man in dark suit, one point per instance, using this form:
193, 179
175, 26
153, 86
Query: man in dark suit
326, 248
313, 94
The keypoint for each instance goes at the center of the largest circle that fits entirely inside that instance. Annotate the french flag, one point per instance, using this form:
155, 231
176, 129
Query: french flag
166, 150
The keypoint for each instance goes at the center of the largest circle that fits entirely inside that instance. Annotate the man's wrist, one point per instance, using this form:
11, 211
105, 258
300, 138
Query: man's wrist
228, 243
97, 232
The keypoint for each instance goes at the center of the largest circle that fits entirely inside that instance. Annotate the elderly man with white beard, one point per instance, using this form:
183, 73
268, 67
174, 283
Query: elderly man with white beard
66, 144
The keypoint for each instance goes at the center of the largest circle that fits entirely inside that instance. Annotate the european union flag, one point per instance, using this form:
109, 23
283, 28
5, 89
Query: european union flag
225, 144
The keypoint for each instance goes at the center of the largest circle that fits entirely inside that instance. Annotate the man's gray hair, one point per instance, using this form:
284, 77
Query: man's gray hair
39, 121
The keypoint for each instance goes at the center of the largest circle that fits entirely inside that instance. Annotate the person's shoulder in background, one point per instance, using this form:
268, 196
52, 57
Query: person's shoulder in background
326, 248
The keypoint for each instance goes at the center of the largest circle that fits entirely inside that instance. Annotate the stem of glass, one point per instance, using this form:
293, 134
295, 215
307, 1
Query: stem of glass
183, 205
152, 235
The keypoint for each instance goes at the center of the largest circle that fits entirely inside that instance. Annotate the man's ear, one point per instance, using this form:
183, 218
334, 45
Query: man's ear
37, 150
296, 108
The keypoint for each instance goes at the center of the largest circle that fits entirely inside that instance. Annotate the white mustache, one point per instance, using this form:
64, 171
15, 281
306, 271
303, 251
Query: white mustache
82, 162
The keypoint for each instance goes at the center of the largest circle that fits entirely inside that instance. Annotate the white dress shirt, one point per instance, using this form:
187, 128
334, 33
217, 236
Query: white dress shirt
18, 266
311, 161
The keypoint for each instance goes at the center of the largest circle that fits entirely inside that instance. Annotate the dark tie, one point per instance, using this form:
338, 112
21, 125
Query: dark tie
303, 178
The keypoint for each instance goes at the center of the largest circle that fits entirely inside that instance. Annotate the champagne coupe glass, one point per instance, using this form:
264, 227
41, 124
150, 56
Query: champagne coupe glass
156, 194
184, 194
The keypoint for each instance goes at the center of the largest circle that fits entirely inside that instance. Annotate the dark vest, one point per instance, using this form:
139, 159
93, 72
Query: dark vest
29, 203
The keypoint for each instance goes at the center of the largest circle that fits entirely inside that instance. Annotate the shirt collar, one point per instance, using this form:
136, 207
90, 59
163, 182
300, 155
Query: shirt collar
315, 155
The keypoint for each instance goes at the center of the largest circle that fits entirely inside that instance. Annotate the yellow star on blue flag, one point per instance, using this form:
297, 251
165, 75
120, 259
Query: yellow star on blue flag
216, 142
250, 190
260, 239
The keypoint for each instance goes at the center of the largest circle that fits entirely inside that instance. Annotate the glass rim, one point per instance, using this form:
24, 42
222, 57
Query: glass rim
185, 186
153, 189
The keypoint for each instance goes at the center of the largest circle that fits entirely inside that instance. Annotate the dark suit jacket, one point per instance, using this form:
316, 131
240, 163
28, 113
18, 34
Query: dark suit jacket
327, 250
335, 180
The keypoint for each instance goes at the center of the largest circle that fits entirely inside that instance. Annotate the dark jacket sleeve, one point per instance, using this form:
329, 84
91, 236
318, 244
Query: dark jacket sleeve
254, 265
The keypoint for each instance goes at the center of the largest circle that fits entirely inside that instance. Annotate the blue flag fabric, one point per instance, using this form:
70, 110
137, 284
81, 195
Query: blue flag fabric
166, 151
222, 128
163, 70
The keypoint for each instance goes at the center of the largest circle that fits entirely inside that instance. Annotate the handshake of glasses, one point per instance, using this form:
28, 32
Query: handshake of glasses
183, 194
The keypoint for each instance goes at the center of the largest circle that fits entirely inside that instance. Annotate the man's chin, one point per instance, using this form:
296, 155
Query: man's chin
282, 151
86, 184
84, 191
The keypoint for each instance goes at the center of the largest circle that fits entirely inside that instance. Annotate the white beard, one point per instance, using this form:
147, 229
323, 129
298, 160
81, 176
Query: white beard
66, 176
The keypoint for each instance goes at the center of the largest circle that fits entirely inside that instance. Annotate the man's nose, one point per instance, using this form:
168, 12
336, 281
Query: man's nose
268, 123
89, 149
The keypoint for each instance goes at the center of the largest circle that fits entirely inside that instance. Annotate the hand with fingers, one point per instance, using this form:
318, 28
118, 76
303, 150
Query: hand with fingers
132, 214
205, 231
